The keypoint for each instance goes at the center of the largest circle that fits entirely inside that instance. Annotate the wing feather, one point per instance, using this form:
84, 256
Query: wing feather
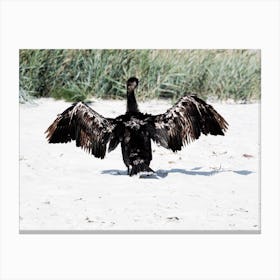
185, 121
90, 130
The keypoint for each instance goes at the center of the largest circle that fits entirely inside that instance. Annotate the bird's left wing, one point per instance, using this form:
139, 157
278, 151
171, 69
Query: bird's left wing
184, 122
90, 130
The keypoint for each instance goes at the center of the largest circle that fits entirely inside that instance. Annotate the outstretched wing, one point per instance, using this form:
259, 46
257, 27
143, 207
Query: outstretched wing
89, 129
185, 122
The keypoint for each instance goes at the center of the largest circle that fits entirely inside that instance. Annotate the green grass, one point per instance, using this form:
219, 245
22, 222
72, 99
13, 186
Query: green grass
76, 75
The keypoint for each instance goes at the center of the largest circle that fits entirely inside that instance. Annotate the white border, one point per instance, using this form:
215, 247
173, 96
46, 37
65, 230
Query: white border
153, 24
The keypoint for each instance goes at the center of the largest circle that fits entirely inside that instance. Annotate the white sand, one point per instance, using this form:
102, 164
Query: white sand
209, 185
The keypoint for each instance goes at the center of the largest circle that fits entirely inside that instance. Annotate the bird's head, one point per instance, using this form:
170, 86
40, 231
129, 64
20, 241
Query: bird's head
132, 84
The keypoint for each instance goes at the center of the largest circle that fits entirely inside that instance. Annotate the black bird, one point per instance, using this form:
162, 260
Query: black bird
182, 123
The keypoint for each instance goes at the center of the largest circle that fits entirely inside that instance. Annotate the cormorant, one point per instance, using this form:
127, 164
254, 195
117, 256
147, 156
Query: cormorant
182, 123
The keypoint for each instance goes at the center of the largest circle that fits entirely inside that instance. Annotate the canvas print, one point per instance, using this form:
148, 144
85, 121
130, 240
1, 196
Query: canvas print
139, 140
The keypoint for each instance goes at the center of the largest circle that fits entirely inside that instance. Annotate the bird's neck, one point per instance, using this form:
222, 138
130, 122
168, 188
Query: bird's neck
131, 102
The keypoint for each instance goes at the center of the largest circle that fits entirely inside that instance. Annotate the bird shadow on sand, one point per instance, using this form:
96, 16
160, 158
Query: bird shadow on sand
114, 172
162, 173
195, 172
117, 172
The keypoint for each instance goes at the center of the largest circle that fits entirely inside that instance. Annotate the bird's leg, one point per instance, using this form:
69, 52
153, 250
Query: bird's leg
128, 170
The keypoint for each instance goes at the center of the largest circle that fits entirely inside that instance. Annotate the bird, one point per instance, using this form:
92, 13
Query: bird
184, 122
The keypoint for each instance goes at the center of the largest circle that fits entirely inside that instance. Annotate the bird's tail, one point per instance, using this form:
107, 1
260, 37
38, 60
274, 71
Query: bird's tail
140, 167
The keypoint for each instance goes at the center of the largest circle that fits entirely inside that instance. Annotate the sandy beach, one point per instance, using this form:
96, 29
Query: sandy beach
212, 184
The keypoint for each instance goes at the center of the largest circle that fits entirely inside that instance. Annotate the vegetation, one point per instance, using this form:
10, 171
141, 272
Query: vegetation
76, 75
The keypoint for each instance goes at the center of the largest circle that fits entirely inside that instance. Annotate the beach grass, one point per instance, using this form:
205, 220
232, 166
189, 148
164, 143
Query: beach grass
77, 75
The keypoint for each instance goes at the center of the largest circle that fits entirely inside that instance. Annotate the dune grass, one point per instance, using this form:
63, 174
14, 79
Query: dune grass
75, 75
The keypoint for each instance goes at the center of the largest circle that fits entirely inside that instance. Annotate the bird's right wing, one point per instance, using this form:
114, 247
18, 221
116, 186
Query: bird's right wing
90, 130
185, 121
